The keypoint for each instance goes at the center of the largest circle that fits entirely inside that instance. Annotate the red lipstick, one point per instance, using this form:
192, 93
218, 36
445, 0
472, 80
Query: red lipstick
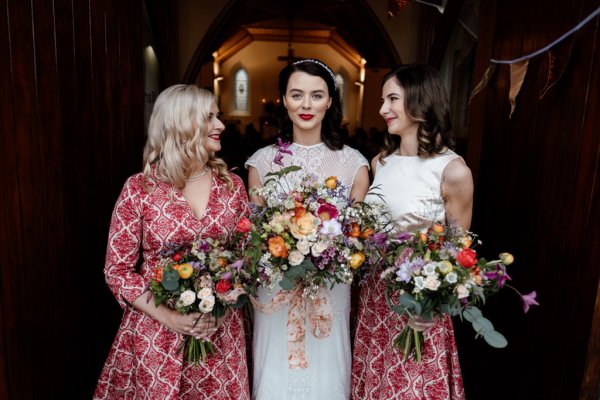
306, 117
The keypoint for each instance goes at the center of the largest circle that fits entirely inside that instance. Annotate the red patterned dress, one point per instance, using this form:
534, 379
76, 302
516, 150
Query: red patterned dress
411, 187
142, 363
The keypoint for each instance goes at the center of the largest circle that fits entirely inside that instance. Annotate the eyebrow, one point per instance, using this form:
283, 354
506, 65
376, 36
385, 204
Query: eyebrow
314, 91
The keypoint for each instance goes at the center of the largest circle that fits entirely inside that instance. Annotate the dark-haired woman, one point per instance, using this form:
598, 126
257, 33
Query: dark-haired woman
311, 114
422, 180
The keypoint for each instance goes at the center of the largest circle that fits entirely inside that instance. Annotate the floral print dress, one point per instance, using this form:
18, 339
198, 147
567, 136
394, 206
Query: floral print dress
143, 362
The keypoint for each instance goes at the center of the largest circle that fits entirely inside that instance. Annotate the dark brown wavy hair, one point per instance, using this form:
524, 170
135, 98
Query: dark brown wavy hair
425, 101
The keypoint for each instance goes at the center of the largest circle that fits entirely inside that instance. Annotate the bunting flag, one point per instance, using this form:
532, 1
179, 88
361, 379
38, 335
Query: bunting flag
518, 67
517, 75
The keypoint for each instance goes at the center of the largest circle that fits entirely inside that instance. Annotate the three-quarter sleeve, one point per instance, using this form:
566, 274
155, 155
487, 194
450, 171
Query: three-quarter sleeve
124, 239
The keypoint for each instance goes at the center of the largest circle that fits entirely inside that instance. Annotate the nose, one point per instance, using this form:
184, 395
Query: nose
384, 109
306, 104
219, 125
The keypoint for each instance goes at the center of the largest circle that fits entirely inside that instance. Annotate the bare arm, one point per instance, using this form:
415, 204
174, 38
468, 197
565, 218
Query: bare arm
457, 192
254, 181
360, 186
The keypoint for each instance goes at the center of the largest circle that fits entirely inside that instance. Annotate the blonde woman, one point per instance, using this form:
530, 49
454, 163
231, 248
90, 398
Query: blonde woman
183, 193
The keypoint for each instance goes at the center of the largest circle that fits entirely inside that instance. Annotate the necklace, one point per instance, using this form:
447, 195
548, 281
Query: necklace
199, 175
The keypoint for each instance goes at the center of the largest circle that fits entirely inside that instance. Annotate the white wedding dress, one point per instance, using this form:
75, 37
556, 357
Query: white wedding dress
327, 376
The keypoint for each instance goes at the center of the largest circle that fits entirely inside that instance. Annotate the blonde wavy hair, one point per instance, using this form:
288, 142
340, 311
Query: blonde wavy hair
176, 133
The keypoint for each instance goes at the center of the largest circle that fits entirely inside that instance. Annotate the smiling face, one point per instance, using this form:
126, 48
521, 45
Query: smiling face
307, 100
214, 127
393, 110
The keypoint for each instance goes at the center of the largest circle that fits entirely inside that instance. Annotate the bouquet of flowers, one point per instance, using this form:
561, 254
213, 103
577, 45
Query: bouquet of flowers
202, 277
438, 272
309, 233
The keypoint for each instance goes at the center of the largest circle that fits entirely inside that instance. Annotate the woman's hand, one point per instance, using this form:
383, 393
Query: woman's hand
196, 324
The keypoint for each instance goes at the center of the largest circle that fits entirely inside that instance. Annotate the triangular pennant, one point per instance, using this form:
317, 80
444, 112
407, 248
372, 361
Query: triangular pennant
484, 81
517, 75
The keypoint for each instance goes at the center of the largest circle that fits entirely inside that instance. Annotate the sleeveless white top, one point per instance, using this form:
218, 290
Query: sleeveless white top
411, 188
329, 360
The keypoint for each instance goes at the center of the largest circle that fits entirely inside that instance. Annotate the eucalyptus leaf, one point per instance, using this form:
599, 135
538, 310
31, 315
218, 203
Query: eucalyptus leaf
482, 325
242, 301
307, 264
286, 283
295, 272
495, 339
170, 280
472, 313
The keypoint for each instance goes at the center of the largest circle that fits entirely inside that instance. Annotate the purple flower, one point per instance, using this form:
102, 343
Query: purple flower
499, 275
529, 300
237, 265
380, 239
281, 150
404, 236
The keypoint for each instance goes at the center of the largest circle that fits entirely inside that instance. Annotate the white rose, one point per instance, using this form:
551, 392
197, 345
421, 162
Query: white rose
318, 248
432, 282
188, 297
204, 293
295, 257
207, 304
303, 246
462, 291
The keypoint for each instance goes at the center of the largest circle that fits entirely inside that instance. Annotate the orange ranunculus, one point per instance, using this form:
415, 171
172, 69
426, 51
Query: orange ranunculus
354, 230
331, 182
423, 237
367, 233
438, 229
277, 247
356, 260
158, 275
466, 242
185, 270
299, 212
476, 275
221, 261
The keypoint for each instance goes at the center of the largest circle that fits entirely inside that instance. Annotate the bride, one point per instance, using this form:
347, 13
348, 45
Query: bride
310, 121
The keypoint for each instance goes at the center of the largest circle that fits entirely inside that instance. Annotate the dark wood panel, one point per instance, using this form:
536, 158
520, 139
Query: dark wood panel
535, 174
9, 210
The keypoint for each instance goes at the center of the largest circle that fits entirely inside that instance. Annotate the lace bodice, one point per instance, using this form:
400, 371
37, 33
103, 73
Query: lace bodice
317, 159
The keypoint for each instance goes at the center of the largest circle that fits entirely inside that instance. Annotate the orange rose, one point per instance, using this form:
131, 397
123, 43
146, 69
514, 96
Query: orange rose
331, 182
304, 226
277, 247
158, 275
367, 233
354, 230
299, 212
221, 261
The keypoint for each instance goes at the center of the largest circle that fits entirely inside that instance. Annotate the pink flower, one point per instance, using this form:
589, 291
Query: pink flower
529, 300
327, 211
282, 149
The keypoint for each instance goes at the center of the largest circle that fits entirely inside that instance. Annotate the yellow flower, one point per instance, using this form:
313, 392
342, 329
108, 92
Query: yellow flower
438, 228
356, 260
507, 258
448, 266
331, 182
185, 270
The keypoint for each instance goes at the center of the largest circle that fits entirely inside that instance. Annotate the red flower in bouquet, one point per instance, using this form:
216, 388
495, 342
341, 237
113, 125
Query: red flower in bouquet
223, 286
467, 258
244, 225
327, 211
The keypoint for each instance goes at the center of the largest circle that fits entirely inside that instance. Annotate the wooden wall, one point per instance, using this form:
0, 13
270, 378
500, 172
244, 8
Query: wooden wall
71, 129
537, 196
